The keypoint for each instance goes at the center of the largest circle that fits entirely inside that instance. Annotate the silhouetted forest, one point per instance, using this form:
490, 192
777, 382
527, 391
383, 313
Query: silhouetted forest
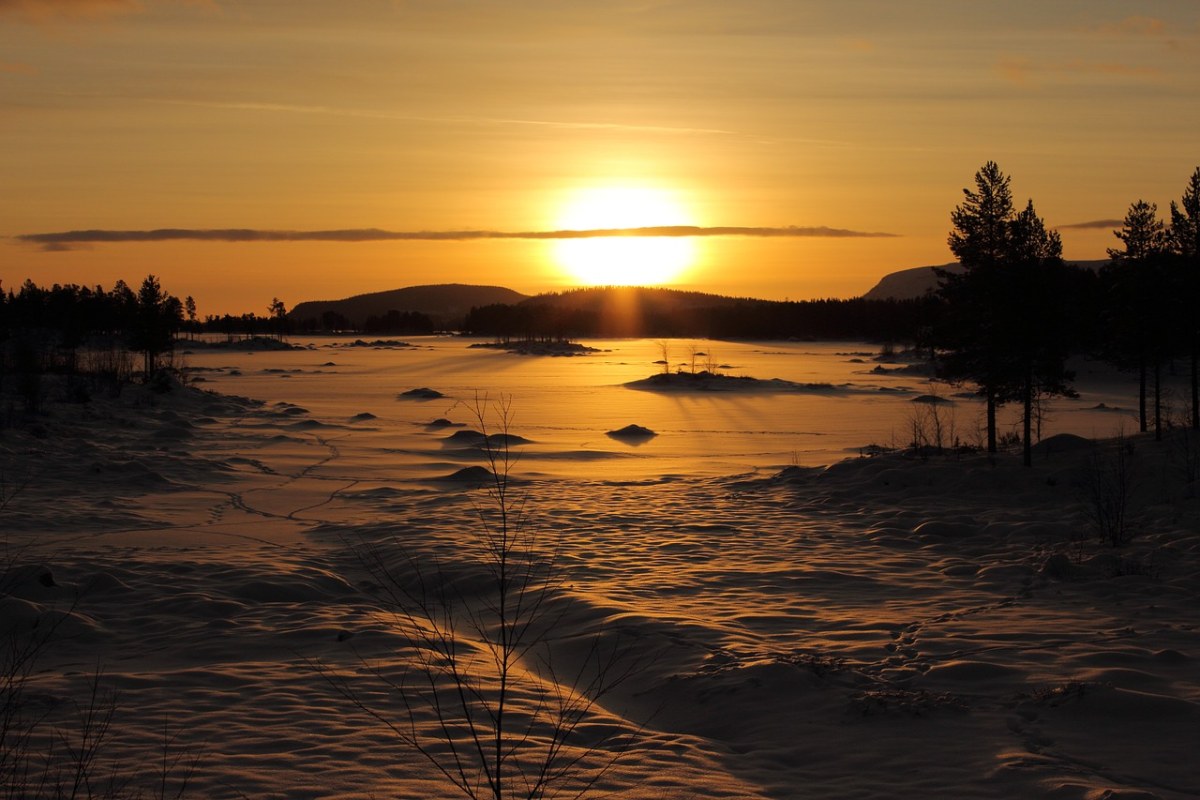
1009, 320
102, 338
391, 322
629, 311
80, 330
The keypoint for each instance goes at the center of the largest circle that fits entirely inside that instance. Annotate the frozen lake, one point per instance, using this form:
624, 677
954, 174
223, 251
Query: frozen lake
566, 405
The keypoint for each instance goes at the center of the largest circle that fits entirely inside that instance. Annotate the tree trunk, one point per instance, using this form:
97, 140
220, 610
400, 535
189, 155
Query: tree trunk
1142, 425
1158, 401
1195, 382
991, 420
1027, 443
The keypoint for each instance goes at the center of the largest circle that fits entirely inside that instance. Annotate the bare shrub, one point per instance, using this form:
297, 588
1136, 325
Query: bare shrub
1184, 453
932, 424
1009, 440
976, 437
1108, 485
70, 760
485, 702
108, 361
19, 652
66, 760
664, 349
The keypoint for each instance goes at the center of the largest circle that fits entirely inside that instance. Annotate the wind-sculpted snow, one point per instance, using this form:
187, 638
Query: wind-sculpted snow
880, 627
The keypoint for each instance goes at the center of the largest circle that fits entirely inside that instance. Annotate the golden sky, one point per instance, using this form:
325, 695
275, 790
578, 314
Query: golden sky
801, 124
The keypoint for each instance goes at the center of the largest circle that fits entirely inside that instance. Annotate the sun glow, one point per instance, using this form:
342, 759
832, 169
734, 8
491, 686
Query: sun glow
624, 260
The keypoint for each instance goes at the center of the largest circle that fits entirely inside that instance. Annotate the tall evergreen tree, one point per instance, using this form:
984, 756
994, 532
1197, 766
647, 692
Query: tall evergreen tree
1007, 322
189, 308
982, 223
1139, 300
974, 323
278, 318
1185, 242
5, 327
157, 316
1039, 329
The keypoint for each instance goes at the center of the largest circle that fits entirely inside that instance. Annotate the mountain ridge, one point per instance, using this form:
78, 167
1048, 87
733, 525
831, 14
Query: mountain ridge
446, 303
449, 303
907, 284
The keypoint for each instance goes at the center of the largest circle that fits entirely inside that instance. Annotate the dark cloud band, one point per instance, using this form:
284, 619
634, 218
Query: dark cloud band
1096, 224
65, 239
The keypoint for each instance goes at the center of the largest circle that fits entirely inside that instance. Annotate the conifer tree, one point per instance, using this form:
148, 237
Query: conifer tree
1006, 326
1039, 329
979, 241
1139, 328
157, 316
1185, 242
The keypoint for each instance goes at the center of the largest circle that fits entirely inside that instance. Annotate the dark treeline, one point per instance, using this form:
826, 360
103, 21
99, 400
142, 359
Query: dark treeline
1152, 283
54, 325
86, 330
611, 313
1014, 314
104, 338
117, 334
244, 326
393, 322
62, 321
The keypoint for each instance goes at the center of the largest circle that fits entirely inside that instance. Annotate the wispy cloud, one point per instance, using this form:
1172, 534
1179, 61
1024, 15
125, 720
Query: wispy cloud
1135, 26
337, 111
1096, 224
1026, 71
65, 240
17, 68
857, 45
40, 11
1149, 29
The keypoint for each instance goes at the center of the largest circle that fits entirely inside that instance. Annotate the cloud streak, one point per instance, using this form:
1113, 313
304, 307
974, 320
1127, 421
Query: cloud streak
17, 68
40, 11
66, 240
47, 11
291, 108
1025, 71
1096, 224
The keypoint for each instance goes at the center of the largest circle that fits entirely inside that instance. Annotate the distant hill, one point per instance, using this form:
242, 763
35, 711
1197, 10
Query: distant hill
909, 283
618, 311
634, 310
446, 303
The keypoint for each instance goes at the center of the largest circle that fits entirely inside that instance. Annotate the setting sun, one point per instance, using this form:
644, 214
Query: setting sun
623, 259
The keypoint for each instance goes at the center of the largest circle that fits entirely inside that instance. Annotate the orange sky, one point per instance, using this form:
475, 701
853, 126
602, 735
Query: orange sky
406, 116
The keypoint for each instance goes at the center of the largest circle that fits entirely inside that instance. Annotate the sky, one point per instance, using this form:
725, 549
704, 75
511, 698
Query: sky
243, 150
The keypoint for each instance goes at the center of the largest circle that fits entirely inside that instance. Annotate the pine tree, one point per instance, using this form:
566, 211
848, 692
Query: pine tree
979, 241
1039, 330
1185, 243
1007, 326
1136, 280
156, 318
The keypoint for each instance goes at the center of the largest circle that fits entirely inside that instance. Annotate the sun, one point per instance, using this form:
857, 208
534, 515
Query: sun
623, 260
